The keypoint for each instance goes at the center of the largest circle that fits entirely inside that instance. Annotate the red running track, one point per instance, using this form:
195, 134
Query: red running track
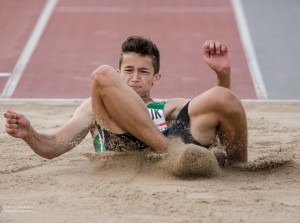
83, 34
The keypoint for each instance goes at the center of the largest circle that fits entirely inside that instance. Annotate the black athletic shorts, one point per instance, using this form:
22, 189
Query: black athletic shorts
181, 128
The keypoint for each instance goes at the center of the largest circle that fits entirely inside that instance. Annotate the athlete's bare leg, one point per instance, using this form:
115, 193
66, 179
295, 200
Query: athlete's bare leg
120, 109
219, 111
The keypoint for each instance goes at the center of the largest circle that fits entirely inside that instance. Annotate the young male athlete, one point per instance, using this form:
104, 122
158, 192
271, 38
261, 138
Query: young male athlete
121, 115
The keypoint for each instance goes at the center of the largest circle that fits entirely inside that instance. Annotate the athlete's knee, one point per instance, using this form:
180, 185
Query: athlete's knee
228, 101
103, 75
231, 104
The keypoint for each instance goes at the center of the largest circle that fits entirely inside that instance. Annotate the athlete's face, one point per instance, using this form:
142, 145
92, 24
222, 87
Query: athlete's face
138, 73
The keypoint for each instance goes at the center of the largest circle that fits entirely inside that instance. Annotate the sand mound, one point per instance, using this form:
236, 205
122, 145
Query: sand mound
266, 162
190, 160
180, 160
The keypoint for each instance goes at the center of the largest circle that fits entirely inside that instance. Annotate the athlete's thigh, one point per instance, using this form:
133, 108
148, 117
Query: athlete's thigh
204, 116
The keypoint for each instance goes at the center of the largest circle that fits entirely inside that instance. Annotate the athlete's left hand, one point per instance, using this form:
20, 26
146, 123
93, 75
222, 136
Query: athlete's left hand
216, 56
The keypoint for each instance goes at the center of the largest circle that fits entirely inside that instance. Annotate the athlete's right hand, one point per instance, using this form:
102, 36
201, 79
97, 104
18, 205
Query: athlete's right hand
17, 125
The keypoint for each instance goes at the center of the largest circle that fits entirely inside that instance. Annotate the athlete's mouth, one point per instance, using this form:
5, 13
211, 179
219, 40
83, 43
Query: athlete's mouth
135, 87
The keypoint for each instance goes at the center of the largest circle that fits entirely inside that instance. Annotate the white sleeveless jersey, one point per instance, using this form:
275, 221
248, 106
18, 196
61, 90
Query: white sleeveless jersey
156, 111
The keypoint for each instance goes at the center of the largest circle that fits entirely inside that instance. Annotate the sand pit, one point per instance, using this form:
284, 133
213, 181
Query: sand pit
145, 187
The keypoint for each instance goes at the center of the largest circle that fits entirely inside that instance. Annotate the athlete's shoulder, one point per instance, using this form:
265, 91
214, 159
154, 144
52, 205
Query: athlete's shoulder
173, 106
176, 102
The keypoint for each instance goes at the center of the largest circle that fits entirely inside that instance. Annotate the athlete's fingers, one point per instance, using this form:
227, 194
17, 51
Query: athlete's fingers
10, 115
13, 117
11, 131
224, 48
217, 46
11, 121
212, 47
11, 126
206, 46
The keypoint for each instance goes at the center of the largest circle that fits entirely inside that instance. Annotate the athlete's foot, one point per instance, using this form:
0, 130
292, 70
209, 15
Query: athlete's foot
221, 157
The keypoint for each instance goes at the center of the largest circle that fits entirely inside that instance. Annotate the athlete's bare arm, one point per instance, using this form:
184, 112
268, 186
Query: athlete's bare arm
53, 145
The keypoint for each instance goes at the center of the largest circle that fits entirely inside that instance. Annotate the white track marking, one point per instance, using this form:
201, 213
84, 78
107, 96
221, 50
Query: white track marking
5, 74
259, 85
31, 44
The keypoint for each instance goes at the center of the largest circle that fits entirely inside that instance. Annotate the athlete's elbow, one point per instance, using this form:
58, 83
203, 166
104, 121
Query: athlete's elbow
49, 153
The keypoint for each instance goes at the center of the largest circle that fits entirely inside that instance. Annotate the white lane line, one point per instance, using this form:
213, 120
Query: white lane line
5, 74
29, 48
48, 101
259, 85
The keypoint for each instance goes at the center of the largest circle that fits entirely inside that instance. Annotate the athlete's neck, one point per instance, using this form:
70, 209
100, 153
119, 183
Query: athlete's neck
147, 99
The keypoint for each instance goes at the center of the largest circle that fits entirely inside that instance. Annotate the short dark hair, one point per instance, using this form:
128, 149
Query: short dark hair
143, 47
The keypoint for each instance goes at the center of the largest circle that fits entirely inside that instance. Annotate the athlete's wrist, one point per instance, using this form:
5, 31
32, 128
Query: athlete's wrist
224, 73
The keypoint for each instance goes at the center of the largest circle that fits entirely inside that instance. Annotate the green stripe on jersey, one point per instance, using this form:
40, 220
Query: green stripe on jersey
157, 105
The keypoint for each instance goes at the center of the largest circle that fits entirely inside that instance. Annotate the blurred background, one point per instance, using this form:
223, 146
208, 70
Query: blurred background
50, 47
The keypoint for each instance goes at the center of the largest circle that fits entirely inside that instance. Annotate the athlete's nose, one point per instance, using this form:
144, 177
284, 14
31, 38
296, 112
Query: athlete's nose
135, 76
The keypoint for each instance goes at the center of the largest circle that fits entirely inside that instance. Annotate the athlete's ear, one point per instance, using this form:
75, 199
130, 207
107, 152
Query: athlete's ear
157, 78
